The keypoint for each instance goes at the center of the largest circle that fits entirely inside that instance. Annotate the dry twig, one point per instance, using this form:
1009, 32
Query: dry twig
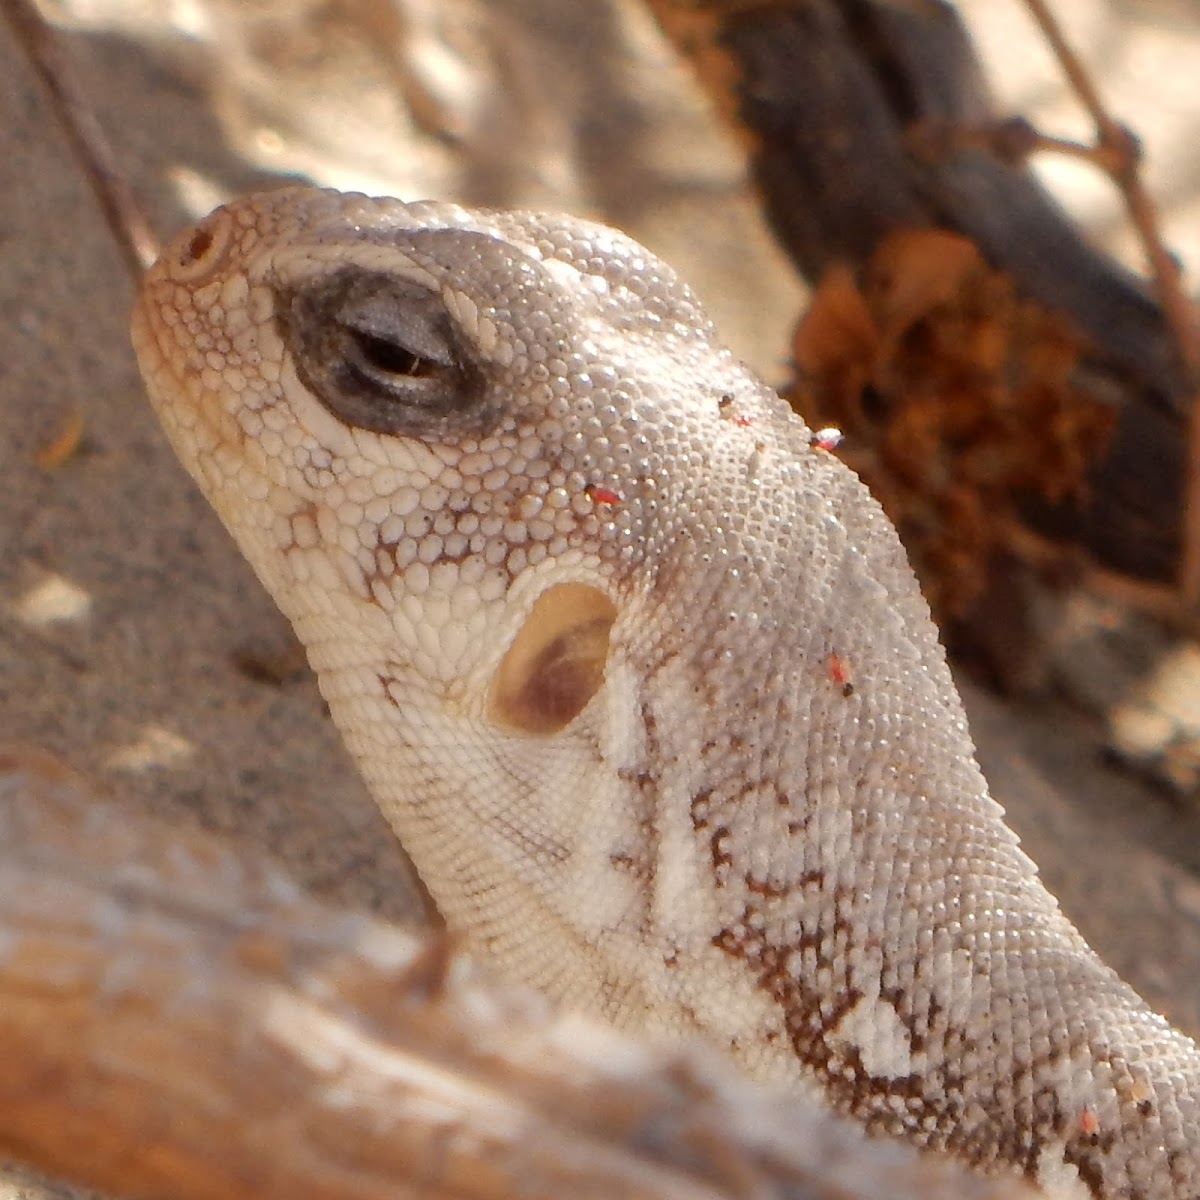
1118, 153
46, 51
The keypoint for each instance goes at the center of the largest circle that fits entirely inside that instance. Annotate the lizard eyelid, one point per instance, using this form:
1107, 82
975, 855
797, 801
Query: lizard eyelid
381, 353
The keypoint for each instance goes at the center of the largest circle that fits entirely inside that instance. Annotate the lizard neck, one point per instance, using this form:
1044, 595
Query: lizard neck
785, 844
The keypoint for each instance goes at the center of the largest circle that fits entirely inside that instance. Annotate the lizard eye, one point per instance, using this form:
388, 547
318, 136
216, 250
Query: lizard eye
379, 359
381, 353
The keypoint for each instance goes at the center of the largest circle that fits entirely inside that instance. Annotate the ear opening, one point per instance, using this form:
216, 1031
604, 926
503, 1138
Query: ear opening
556, 662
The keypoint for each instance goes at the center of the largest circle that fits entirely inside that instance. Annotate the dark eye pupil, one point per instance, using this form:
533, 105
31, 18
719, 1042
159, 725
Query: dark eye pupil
388, 357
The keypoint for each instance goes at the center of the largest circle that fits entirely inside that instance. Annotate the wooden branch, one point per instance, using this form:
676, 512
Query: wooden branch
176, 1020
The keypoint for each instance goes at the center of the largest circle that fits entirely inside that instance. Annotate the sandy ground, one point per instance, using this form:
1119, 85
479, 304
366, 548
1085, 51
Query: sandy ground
135, 643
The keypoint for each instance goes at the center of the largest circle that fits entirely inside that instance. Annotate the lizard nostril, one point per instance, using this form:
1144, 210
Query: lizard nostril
200, 251
556, 662
199, 246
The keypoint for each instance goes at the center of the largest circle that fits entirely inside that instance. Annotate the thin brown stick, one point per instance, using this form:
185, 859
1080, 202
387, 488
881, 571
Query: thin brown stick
1012, 140
1119, 155
45, 49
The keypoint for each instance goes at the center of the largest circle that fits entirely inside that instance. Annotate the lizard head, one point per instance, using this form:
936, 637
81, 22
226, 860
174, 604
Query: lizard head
435, 433
459, 448
533, 524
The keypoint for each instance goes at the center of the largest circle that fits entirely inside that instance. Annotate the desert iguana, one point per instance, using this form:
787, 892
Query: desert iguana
640, 675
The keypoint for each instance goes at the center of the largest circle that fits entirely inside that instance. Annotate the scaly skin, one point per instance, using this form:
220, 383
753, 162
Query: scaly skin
641, 677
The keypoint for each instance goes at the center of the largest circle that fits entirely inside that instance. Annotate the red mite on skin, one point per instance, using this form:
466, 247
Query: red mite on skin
725, 403
829, 438
840, 674
602, 495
